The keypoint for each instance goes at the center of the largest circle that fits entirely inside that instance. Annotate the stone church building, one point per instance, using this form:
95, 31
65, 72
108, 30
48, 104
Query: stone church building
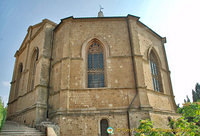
86, 74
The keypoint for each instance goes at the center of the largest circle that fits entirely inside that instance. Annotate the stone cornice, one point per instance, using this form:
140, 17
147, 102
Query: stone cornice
23, 95
78, 112
28, 109
158, 93
87, 89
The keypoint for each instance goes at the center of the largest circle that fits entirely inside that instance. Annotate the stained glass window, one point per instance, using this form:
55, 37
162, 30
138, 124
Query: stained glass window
104, 126
95, 66
155, 72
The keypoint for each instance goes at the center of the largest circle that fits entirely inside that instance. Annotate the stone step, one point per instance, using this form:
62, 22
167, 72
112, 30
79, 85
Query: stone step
21, 134
11, 128
14, 133
32, 131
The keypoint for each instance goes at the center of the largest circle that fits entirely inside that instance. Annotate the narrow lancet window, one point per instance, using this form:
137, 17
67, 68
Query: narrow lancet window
95, 66
155, 72
33, 69
18, 81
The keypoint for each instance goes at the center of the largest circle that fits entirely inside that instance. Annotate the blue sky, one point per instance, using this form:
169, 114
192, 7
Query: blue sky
178, 20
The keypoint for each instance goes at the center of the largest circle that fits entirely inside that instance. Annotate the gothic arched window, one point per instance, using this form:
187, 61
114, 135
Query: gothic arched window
155, 72
95, 66
18, 81
33, 69
104, 126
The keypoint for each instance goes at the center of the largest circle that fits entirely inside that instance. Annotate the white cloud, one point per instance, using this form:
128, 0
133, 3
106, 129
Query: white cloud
6, 83
4, 99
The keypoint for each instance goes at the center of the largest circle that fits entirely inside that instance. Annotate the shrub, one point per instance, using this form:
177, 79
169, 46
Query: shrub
2, 114
188, 125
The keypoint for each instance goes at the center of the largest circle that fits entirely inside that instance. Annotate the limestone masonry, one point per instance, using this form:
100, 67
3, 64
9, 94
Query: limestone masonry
86, 74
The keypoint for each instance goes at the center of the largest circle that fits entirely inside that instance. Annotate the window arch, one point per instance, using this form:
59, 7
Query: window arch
155, 72
95, 64
18, 80
32, 69
103, 127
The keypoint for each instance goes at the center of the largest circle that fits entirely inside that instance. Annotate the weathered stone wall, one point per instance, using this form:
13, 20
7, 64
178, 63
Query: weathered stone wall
89, 124
135, 116
69, 66
146, 41
25, 118
69, 92
66, 45
160, 101
29, 103
160, 119
75, 107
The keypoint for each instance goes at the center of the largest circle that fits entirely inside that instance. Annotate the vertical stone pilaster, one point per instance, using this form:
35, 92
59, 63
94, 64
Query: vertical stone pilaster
43, 67
137, 56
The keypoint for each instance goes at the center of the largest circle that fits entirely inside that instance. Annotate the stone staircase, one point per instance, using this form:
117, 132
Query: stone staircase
11, 128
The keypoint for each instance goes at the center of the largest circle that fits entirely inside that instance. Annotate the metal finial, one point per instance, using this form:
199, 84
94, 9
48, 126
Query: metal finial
101, 7
100, 14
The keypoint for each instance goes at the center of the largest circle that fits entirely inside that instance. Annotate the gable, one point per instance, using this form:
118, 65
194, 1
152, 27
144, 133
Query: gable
32, 32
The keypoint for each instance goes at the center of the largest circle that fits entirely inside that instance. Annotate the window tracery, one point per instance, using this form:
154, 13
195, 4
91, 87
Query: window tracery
155, 72
95, 65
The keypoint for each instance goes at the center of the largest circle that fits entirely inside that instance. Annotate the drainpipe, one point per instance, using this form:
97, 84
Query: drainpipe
134, 72
48, 86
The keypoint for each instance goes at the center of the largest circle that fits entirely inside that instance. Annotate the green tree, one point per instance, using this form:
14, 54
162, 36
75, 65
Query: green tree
191, 112
187, 99
2, 113
188, 125
182, 127
146, 129
196, 93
